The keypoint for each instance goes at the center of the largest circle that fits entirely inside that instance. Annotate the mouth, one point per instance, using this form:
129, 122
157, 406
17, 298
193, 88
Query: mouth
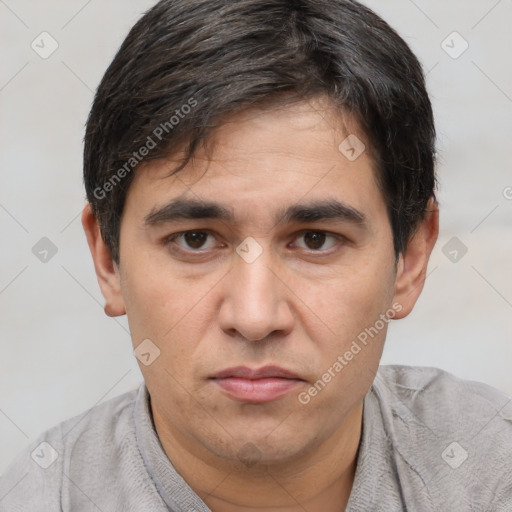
258, 385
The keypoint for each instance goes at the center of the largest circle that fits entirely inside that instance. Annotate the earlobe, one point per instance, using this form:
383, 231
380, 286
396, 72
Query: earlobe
412, 264
106, 269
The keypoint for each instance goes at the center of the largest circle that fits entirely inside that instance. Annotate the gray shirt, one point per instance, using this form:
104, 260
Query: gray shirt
430, 442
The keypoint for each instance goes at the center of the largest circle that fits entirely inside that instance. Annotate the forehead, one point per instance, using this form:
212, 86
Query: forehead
259, 159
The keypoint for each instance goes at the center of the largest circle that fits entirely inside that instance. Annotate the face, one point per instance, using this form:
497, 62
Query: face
264, 276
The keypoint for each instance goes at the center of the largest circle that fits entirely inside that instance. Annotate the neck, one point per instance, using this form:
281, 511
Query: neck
319, 480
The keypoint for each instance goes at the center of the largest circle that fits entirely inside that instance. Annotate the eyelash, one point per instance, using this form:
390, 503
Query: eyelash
172, 238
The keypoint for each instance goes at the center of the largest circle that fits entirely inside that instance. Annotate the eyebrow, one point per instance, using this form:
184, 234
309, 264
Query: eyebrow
322, 210
187, 209
308, 212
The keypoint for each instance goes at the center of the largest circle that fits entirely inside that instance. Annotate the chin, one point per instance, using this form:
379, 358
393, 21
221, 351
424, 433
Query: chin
253, 452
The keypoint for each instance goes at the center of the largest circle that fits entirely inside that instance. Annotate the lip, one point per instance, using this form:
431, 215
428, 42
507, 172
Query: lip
258, 385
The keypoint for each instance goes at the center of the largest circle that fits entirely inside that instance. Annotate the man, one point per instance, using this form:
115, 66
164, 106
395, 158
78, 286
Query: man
261, 188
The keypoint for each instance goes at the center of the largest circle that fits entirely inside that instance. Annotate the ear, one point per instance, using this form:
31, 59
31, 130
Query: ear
106, 269
412, 264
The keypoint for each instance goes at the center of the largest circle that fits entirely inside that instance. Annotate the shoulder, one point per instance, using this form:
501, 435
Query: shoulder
453, 433
435, 393
447, 405
425, 377
34, 481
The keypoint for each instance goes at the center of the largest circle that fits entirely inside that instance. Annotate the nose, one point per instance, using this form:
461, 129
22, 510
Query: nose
255, 300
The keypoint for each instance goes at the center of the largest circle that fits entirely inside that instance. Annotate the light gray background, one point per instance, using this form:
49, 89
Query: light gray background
61, 355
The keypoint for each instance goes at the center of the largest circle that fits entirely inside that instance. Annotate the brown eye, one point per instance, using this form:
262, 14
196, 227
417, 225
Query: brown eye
195, 239
191, 241
317, 241
314, 239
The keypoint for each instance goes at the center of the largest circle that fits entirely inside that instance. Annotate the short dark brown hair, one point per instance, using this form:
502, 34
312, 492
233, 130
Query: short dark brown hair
186, 64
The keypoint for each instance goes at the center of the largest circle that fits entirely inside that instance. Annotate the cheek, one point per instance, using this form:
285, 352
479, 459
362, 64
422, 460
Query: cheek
158, 300
351, 306
348, 302
350, 349
175, 314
